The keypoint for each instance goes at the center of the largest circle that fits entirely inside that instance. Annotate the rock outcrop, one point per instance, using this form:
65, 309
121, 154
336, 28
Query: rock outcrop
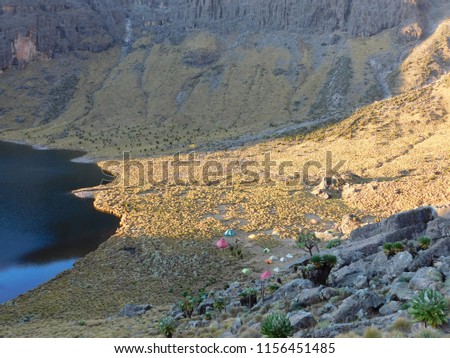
33, 30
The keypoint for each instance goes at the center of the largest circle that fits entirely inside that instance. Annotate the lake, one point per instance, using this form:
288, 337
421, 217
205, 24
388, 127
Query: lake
43, 227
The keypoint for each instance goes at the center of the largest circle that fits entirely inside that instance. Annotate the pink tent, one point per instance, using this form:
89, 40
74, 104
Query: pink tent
265, 275
222, 244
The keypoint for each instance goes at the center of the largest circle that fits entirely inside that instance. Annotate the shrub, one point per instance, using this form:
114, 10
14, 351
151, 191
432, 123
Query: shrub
319, 268
277, 325
428, 333
429, 306
167, 326
250, 333
423, 242
387, 248
372, 332
402, 324
307, 241
397, 247
249, 297
219, 304
323, 261
272, 288
188, 304
333, 243
392, 249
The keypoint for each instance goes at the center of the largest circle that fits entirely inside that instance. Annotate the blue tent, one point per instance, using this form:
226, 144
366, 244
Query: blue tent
229, 232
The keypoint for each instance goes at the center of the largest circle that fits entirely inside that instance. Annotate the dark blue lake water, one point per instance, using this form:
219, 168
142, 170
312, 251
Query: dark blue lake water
43, 227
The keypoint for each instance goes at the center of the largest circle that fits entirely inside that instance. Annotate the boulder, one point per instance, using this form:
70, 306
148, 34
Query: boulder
426, 258
443, 265
301, 320
426, 277
328, 292
292, 289
286, 292
358, 305
354, 275
400, 291
438, 228
446, 288
397, 264
378, 263
236, 326
132, 310
350, 223
390, 308
204, 306
309, 296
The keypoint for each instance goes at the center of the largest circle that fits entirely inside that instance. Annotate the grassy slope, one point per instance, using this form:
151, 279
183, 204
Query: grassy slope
150, 101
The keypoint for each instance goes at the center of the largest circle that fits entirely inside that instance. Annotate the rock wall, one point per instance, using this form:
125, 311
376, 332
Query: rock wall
54, 26
360, 18
32, 30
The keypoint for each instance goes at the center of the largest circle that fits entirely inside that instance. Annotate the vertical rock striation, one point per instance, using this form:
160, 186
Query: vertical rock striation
32, 29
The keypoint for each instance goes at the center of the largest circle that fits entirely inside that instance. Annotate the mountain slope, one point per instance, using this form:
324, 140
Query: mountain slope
167, 76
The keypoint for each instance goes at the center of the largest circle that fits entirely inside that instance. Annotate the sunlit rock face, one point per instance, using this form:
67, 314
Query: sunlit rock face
31, 29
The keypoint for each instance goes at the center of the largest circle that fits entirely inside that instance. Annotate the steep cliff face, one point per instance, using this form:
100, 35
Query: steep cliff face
42, 28
360, 18
31, 30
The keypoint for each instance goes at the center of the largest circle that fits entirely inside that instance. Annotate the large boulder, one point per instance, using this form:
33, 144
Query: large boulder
438, 228
427, 277
390, 308
358, 305
204, 306
353, 275
400, 291
292, 289
309, 296
426, 258
397, 264
301, 320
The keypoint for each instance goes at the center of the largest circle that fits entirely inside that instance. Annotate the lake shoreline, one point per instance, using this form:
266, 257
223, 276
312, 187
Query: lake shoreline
81, 247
